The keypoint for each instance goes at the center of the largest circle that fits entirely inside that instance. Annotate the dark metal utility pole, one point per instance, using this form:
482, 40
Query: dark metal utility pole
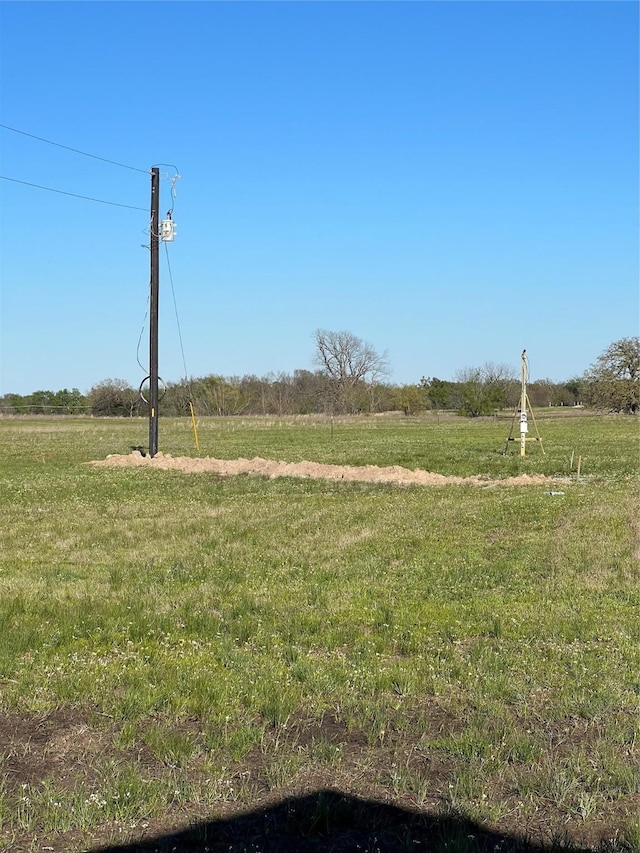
153, 311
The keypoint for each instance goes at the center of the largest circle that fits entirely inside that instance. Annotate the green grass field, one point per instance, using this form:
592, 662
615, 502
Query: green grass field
178, 646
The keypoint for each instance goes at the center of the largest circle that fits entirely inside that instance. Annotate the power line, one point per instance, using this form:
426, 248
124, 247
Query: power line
74, 195
75, 150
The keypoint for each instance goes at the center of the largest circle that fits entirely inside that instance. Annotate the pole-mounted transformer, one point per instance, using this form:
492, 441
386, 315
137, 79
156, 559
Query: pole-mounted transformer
168, 229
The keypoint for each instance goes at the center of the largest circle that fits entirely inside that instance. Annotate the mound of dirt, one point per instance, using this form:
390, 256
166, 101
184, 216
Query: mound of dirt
315, 470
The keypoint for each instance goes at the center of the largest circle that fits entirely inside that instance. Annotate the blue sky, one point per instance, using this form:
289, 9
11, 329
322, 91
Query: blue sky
450, 181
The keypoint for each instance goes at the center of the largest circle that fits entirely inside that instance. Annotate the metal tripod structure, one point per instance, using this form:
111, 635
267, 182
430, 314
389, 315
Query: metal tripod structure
524, 410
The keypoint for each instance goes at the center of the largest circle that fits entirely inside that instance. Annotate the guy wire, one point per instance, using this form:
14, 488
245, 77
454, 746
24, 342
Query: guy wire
175, 307
144, 323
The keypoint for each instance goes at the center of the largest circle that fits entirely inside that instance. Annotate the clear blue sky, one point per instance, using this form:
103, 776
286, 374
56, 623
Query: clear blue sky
450, 181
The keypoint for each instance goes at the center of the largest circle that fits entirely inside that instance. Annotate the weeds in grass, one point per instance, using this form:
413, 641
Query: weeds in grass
172, 747
411, 781
632, 836
326, 751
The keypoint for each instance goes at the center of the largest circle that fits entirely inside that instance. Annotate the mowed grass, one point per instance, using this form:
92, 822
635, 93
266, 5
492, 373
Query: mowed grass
205, 643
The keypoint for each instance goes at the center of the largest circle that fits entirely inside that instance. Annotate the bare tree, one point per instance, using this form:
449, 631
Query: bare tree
482, 390
504, 379
351, 365
114, 397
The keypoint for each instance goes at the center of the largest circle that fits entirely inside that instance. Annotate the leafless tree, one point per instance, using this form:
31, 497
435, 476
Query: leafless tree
114, 397
482, 390
351, 365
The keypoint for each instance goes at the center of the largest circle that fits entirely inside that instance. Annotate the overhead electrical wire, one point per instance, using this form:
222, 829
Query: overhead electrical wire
169, 165
75, 195
75, 150
94, 157
174, 179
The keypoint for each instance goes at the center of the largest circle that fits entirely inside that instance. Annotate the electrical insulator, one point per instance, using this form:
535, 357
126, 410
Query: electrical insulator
167, 230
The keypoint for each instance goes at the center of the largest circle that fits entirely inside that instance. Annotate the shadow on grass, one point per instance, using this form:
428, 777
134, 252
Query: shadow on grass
331, 821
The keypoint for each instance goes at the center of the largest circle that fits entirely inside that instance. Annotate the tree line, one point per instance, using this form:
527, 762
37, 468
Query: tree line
350, 378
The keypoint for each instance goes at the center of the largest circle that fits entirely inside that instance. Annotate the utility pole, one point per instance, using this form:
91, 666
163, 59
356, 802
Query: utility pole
153, 311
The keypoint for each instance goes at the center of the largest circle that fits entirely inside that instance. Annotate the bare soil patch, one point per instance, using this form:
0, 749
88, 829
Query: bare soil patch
310, 470
65, 744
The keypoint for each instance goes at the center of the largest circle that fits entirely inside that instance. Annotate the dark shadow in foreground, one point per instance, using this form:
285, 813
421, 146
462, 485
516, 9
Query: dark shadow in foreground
331, 821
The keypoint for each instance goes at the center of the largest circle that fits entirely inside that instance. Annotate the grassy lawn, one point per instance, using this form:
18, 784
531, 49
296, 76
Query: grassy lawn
177, 647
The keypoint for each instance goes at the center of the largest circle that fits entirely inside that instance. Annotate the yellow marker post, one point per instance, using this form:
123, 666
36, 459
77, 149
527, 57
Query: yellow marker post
194, 425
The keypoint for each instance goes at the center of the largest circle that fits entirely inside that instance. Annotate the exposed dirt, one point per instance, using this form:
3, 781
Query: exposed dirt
311, 470
66, 746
